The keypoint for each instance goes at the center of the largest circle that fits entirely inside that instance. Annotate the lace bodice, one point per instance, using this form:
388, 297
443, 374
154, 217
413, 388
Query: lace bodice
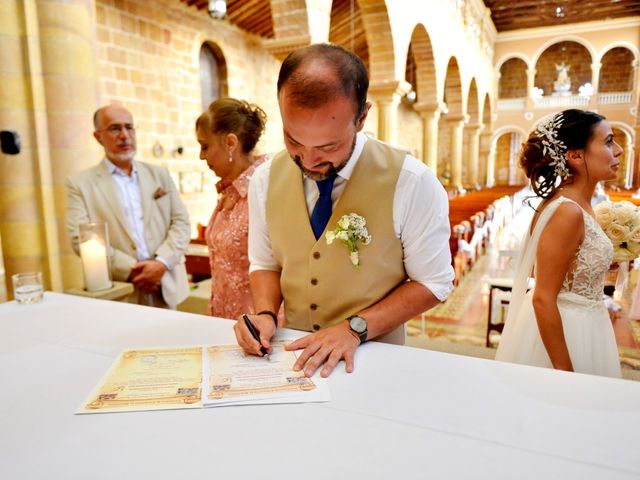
593, 257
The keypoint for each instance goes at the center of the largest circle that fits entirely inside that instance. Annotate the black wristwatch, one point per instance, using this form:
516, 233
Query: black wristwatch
358, 325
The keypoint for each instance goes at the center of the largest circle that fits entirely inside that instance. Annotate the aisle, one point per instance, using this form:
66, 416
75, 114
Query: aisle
462, 319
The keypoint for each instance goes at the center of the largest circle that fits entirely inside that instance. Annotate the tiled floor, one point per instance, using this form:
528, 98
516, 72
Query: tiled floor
462, 319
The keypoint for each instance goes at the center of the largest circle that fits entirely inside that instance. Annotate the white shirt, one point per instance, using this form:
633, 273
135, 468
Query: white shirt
129, 194
420, 220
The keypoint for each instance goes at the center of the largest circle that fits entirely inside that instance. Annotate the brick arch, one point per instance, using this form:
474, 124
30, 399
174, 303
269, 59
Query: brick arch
382, 58
616, 70
427, 87
453, 88
473, 103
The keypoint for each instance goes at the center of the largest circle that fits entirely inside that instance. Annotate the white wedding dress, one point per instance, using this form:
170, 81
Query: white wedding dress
585, 320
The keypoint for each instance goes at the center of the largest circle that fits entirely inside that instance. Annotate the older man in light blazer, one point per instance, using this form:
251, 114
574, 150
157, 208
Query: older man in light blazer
148, 224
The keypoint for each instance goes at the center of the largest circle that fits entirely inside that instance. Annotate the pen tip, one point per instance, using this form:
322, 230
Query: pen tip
268, 357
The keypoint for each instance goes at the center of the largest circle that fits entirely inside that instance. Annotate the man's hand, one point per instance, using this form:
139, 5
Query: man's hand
266, 328
146, 275
327, 347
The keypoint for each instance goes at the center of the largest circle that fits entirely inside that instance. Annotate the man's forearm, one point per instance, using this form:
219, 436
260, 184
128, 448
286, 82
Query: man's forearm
265, 290
402, 304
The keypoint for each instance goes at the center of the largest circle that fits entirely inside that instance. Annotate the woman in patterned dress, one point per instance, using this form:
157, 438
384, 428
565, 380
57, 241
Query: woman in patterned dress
227, 133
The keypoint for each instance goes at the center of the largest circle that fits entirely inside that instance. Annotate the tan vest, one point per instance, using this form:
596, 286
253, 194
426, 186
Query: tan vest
319, 284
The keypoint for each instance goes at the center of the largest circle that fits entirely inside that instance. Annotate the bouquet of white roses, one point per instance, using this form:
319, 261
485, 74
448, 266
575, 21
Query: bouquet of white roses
350, 230
621, 223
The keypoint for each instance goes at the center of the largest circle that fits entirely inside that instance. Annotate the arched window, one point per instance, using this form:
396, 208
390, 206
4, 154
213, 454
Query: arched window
213, 74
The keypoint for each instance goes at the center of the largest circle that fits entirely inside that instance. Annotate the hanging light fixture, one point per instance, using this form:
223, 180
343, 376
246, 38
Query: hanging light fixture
218, 9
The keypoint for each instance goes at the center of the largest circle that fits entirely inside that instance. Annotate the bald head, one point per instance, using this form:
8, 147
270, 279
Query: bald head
312, 76
107, 111
114, 130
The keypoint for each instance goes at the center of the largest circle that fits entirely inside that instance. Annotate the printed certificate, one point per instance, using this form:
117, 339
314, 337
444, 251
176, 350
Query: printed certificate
235, 376
153, 379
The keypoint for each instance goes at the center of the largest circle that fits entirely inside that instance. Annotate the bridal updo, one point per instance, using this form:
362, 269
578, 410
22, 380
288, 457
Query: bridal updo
543, 155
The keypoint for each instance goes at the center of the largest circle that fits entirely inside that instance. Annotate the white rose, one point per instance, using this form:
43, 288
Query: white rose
604, 214
344, 236
330, 236
624, 212
617, 233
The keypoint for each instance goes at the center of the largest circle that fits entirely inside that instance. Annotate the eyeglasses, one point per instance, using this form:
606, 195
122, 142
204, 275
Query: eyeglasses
115, 129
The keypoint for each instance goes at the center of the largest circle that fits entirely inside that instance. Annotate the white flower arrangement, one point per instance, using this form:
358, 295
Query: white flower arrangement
350, 230
620, 221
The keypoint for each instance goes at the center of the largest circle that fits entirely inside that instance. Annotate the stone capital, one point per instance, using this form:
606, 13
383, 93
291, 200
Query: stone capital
281, 47
388, 90
453, 119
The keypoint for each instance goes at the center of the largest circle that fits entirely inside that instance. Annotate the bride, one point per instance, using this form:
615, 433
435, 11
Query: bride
562, 323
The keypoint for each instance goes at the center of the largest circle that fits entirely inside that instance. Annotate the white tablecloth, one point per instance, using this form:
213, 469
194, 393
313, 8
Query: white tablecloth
403, 413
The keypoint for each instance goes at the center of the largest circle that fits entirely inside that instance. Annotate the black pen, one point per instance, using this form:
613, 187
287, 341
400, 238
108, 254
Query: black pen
255, 335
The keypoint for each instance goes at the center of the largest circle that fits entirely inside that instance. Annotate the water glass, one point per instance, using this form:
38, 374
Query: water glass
27, 287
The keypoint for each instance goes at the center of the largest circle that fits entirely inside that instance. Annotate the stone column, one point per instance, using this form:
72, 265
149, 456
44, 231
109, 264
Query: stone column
387, 94
491, 164
531, 79
456, 127
430, 115
629, 163
595, 82
473, 131
48, 97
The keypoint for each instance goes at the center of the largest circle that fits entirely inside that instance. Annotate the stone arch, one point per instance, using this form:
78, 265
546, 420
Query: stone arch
485, 167
471, 138
512, 81
629, 46
290, 18
473, 103
340, 29
578, 56
377, 26
616, 70
425, 66
510, 56
625, 136
565, 38
453, 88
506, 145
213, 73
487, 113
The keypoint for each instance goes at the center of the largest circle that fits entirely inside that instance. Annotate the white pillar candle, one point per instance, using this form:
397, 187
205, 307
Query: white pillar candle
95, 266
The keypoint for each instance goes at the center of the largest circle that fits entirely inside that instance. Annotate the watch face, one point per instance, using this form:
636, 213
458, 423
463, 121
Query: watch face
358, 324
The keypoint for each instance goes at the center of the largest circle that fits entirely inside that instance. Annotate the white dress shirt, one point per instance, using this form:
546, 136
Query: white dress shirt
420, 220
129, 193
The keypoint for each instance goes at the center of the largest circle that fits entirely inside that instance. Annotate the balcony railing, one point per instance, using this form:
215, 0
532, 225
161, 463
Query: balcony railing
511, 104
609, 98
567, 101
614, 97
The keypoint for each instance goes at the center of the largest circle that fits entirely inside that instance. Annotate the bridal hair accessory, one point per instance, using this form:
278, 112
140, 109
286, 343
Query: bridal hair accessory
350, 230
552, 146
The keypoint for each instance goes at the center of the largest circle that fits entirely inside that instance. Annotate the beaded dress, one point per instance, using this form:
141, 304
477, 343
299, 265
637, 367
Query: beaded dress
587, 327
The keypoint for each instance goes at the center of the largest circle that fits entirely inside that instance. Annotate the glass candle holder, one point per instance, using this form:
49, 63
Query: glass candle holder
94, 248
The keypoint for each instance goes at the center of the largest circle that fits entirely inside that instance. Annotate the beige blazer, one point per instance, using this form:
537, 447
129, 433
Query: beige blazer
93, 197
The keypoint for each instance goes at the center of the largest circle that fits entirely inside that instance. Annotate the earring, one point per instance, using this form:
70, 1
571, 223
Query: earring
230, 157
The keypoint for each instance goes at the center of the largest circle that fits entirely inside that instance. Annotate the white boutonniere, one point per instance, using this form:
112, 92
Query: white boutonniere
350, 230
